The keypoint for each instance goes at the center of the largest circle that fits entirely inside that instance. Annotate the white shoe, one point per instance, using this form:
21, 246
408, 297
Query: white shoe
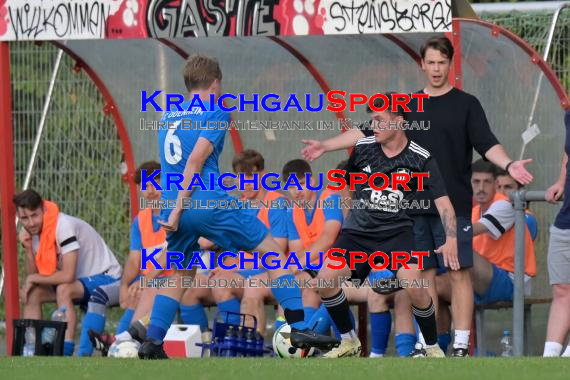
427, 352
434, 352
347, 348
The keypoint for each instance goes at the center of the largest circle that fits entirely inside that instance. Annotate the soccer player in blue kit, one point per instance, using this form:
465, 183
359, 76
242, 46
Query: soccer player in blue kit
192, 150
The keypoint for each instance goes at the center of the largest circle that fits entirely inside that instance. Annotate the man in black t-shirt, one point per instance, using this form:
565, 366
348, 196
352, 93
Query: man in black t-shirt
457, 125
378, 221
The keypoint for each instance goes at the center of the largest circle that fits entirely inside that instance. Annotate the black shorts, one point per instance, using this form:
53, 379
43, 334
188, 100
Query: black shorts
429, 235
401, 239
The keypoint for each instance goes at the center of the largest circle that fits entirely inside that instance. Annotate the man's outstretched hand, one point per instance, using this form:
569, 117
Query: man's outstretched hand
313, 149
519, 173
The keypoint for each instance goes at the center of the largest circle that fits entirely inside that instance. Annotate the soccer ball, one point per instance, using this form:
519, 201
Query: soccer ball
282, 345
124, 349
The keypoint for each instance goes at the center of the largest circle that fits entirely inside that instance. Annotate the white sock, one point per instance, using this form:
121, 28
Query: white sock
461, 339
552, 349
373, 355
124, 336
348, 336
421, 339
566, 353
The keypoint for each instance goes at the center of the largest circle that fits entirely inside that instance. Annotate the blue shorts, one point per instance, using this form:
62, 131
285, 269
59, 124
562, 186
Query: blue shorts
385, 273
232, 229
500, 289
91, 283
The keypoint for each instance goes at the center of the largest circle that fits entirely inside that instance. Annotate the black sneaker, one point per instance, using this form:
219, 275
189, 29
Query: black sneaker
137, 331
460, 353
100, 342
418, 352
152, 350
308, 338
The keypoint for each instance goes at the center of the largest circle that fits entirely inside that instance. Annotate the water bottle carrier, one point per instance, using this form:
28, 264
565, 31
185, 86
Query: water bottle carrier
55, 349
219, 346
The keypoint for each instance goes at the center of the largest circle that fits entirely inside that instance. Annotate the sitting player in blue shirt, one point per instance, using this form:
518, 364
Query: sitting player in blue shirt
310, 230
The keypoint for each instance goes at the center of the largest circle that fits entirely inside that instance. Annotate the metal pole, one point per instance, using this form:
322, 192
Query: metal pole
42, 120
545, 58
518, 198
9, 248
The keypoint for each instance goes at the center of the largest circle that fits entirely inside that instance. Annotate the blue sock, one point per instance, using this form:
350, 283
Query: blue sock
231, 305
381, 324
163, 313
289, 297
194, 315
444, 340
309, 312
320, 322
125, 321
405, 343
92, 321
68, 347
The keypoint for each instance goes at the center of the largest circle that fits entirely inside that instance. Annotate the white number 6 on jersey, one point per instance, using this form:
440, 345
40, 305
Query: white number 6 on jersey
172, 146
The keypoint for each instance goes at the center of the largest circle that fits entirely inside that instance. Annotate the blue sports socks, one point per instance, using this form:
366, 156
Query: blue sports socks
381, 324
194, 315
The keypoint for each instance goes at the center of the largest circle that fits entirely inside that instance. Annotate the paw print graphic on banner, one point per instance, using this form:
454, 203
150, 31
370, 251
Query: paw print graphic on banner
302, 17
129, 20
3, 17
130, 12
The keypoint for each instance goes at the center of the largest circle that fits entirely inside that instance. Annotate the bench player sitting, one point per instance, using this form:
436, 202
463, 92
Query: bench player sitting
69, 264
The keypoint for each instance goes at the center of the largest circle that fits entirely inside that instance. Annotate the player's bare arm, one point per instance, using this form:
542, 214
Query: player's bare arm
161, 260
130, 272
449, 222
297, 246
314, 149
516, 168
555, 192
195, 163
25, 240
479, 228
65, 275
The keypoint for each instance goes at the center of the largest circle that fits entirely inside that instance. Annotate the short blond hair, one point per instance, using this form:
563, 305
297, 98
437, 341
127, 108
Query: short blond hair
200, 71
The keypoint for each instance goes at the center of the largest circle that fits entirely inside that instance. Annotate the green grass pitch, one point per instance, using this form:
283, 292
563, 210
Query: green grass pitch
273, 369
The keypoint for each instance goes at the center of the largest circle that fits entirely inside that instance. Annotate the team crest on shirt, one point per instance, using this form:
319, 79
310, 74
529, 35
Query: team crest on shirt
384, 200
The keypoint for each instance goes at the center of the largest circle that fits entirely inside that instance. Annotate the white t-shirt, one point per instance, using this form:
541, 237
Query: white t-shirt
94, 256
498, 218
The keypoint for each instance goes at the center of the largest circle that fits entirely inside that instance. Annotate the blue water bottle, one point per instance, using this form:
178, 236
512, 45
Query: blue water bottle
259, 344
230, 342
250, 344
241, 344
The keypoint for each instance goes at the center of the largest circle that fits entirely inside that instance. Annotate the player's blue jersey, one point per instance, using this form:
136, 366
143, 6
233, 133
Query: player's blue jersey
136, 238
176, 145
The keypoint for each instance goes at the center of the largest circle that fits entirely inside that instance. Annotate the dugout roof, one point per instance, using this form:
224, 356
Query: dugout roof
495, 65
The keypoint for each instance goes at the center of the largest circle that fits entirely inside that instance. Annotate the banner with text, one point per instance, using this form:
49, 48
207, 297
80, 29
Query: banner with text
118, 19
